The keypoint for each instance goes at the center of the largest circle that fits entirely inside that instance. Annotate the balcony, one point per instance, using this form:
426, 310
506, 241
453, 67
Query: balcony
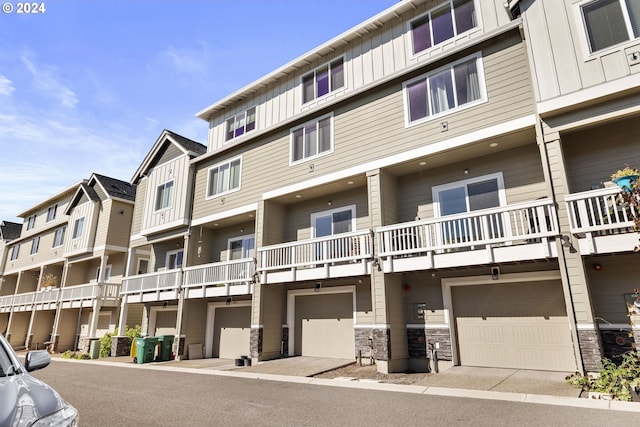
505, 234
341, 255
220, 279
85, 295
158, 286
6, 303
601, 222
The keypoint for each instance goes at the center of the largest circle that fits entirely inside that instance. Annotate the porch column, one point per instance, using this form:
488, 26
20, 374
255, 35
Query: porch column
95, 316
180, 315
131, 253
587, 342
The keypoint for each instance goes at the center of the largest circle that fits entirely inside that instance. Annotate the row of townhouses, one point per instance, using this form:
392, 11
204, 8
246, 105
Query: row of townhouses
436, 178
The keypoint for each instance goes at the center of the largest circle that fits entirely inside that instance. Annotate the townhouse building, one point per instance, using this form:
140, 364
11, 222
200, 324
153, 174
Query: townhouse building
62, 274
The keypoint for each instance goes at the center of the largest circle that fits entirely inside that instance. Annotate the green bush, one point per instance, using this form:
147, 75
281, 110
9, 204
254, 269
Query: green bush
618, 381
68, 355
105, 341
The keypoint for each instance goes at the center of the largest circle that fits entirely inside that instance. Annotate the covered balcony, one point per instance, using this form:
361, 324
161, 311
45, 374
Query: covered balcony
340, 255
601, 221
217, 279
84, 295
6, 303
45, 299
510, 233
158, 286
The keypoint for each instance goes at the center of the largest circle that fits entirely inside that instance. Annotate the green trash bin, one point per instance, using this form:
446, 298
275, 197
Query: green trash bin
165, 350
145, 349
94, 348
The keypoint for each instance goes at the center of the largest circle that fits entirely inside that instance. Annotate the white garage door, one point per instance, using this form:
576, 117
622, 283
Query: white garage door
165, 322
324, 326
232, 332
522, 326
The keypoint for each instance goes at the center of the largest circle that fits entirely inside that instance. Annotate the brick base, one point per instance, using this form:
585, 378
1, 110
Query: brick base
422, 341
590, 349
255, 342
374, 342
120, 346
285, 341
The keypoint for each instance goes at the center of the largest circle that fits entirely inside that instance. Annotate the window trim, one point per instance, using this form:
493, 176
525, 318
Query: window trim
60, 230
316, 215
242, 239
107, 273
245, 112
584, 34
15, 252
155, 200
168, 257
31, 222
138, 265
315, 83
436, 189
317, 120
450, 66
409, 26
217, 166
53, 208
35, 245
81, 221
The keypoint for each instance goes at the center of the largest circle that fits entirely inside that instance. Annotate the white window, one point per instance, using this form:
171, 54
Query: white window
224, 177
51, 212
143, 266
610, 22
470, 195
242, 247
323, 80
164, 194
78, 226
15, 251
334, 221
174, 259
58, 237
443, 23
35, 243
31, 222
312, 139
241, 123
444, 90
107, 274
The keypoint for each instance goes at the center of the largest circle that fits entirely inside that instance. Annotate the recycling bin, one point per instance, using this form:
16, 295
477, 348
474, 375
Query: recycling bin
165, 347
145, 349
94, 348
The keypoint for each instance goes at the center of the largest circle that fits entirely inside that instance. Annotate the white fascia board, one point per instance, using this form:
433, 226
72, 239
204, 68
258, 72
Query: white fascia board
226, 214
448, 144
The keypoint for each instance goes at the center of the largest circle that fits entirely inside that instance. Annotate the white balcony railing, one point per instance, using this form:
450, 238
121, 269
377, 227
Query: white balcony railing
509, 225
90, 291
220, 273
599, 212
340, 248
46, 296
150, 282
6, 302
23, 299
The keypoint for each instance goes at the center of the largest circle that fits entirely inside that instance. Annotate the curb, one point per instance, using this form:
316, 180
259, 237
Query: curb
612, 405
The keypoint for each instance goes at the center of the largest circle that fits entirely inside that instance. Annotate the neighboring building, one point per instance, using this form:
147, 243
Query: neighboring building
62, 276
585, 61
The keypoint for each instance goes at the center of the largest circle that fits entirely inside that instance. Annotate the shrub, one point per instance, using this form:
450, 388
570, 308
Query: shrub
618, 381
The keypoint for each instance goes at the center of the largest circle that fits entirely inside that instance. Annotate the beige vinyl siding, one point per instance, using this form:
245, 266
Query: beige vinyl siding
19, 328
67, 327
425, 289
90, 211
42, 325
168, 153
176, 170
194, 322
135, 312
46, 253
138, 210
562, 63
364, 309
119, 225
41, 215
103, 221
608, 287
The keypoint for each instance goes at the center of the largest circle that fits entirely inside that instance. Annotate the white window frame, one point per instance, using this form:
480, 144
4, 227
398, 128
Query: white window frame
217, 167
314, 72
58, 236
31, 222
157, 200
140, 262
316, 121
411, 45
52, 211
168, 258
107, 274
243, 116
316, 215
35, 245
78, 228
481, 83
245, 251
584, 34
15, 252
498, 176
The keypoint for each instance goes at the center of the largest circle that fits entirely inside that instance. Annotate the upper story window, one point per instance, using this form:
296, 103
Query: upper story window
174, 259
15, 251
241, 124
443, 23
51, 212
323, 80
224, 177
35, 244
312, 139
241, 247
334, 221
58, 237
77, 228
609, 22
31, 222
444, 89
164, 193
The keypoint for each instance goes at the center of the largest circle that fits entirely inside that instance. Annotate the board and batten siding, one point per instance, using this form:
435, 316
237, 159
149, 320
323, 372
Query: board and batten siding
177, 170
139, 208
118, 226
559, 52
378, 54
90, 212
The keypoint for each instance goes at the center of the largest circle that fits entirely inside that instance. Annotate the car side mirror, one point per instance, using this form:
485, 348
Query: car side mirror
35, 360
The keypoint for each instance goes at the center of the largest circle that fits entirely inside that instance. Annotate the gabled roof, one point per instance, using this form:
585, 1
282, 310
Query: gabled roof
186, 145
114, 188
9, 230
53, 199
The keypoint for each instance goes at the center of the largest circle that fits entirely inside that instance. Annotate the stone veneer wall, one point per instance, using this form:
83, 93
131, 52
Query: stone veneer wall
590, 349
615, 343
420, 341
120, 346
255, 344
285, 341
373, 340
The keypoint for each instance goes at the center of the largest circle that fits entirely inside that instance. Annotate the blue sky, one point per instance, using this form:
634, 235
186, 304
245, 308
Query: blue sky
88, 86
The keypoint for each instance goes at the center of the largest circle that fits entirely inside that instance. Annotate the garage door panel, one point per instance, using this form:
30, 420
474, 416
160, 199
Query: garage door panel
232, 332
496, 329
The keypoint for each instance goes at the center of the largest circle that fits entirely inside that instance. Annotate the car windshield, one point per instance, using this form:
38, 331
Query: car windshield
6, 362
